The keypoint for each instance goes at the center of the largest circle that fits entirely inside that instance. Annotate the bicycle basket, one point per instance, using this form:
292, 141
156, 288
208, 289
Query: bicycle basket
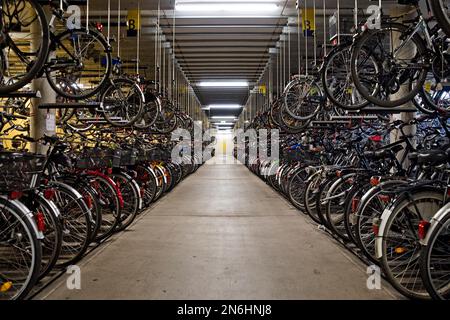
20, 171
97, 158
128, 157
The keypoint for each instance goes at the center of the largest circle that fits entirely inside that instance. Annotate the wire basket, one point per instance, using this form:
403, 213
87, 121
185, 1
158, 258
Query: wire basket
128, 157
143, 155
20, 171
97, 158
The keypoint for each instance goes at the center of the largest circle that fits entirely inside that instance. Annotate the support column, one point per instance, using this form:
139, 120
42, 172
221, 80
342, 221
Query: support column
404, 116
42, 121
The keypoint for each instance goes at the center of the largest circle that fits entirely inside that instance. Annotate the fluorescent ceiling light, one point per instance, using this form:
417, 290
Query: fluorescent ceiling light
241, 7
224, 106
222, 84
224, 117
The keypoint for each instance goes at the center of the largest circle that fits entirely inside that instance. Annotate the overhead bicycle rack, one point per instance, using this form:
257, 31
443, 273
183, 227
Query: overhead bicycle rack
354, 118
22, 94
394, 110
70, 105
320, 122
101, 121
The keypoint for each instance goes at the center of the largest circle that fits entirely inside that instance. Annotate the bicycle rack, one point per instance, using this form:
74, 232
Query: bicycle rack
376, 109
354, 118
22, 94
70, 105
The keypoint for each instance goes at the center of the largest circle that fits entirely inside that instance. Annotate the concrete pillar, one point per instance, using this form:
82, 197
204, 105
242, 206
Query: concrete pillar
404, 116
42, 121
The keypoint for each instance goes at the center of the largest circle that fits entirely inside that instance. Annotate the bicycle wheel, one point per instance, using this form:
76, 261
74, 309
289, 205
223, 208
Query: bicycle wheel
122, 102
52, 241
387, 71
296, 189
351, 202
130, 195
435, 258
90, 198
146, 179
441, 10
334, 208
20, 259
309, 199
432, 96
289, 124
161, 181
150, 113
166, 121
108, 200
337, 80
24, 22
370, 208
321, 200
79, 64
76, 223
400, 246
303, 99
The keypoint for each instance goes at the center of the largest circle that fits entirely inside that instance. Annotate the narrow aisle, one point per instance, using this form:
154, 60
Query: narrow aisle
221, 234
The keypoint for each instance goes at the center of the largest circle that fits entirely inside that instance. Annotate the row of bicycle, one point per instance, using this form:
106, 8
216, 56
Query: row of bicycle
387, 201
79, 67
54, 207
406, 60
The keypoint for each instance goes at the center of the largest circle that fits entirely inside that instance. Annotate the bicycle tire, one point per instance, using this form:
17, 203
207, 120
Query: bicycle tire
349, 88
130, 199
439, 10
427, 270
113, 94
38, 63
105, 74
360, 44
20, 214
76, 220
427, 194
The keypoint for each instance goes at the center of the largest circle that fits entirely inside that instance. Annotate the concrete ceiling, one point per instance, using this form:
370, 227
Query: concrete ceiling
218, 47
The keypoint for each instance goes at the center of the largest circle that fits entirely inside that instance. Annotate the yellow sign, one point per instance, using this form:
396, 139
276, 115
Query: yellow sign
133, 22
308, 22
262, 89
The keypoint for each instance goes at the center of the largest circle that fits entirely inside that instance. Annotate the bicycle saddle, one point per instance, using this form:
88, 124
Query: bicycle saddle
383, 153
432, 157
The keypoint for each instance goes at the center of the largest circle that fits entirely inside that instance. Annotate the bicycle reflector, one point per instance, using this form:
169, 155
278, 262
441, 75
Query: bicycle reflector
14, 195
376, 138
40, 221
88, 200
376, 225
99, 26
6, 286
423, 229
374, 181
355, 203
49, 194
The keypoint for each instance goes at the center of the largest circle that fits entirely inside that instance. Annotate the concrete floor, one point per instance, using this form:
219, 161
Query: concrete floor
221, 234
